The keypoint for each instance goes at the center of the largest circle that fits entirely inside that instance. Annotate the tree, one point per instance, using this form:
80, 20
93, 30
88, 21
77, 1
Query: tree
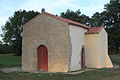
5, 48
112, 22
96, 19
13, 28
76, 16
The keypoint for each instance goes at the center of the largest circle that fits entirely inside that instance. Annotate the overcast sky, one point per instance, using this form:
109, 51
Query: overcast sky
87, 7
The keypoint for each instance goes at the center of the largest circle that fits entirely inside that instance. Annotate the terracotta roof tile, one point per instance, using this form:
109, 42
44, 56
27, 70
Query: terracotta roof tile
94, 30
67, 21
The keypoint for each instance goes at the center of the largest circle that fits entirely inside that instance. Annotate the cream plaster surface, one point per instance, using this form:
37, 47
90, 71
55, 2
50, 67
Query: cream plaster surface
97, 50
77, 35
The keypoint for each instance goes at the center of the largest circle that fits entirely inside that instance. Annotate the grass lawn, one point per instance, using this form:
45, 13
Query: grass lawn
9, 60
96, 74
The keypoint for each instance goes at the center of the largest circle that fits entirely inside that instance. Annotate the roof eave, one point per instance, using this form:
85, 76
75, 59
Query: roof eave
79, 26
93, 33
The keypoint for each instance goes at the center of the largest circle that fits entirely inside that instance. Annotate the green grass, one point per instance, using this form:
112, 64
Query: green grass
100, 74
96, 74
115, 59
9, 60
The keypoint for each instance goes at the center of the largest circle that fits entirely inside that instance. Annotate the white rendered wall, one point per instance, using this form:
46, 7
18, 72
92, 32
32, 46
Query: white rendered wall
77, 35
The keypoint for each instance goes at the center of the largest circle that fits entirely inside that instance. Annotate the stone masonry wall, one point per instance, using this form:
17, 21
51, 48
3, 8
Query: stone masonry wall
48, 31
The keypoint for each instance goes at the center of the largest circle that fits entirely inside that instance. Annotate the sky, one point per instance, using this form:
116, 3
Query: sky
87, 7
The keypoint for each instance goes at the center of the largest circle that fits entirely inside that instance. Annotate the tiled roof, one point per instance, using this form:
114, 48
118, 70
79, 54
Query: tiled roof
67, 21
94, 30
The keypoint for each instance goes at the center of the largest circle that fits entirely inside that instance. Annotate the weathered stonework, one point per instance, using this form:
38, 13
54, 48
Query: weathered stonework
53, 33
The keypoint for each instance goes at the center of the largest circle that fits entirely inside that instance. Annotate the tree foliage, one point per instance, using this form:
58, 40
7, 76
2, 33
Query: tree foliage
112, 22
76, 16
13, 28
96, 20
5, 48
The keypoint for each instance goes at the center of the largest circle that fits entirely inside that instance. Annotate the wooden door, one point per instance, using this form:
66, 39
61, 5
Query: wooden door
42, 58
83, 58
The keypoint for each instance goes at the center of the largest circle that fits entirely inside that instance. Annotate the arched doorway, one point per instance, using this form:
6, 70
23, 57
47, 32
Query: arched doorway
82, 58
42, 58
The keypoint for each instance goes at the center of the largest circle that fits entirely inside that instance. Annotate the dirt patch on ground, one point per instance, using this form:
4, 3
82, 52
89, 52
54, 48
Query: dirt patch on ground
10, 69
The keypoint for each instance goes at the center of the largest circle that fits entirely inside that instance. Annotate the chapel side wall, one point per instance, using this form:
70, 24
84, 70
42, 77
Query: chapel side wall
77, 38
97, 50
92, 49
104, 50
53, 33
